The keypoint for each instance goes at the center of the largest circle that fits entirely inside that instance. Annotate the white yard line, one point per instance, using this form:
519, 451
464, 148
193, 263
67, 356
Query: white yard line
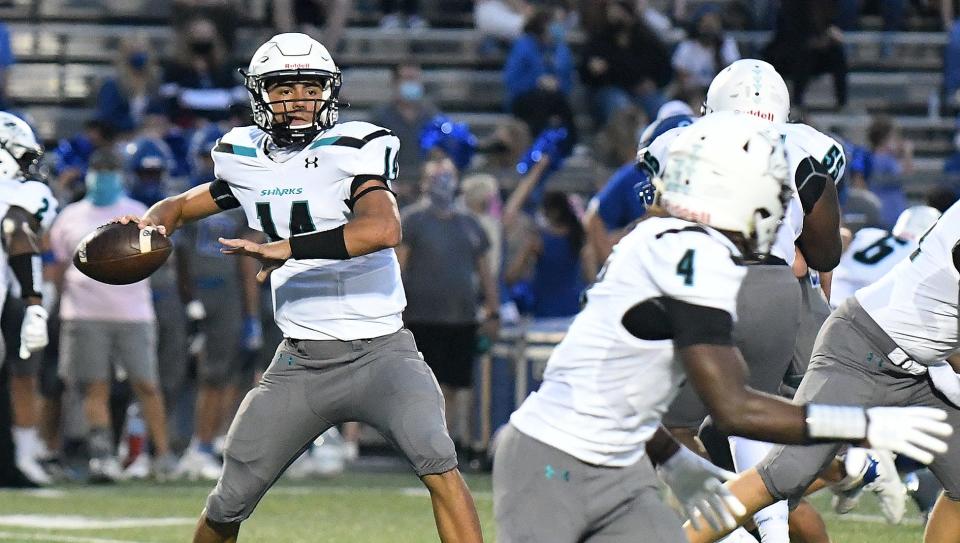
23, 536
872, 519
81, 522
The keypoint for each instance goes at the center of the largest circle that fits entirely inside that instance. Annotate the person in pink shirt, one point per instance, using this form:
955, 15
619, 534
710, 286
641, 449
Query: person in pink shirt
104, 324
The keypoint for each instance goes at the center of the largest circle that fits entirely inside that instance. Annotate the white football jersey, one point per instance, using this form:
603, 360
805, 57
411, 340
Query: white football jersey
604, 390
916, 303
871, 254
801, 141
35, 198
310, 190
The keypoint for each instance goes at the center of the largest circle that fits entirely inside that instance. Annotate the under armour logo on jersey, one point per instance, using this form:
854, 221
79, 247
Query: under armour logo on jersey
311, 161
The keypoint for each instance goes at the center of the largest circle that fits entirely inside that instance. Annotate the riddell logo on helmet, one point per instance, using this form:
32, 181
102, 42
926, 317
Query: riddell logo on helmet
762, 114
296, 66
683, 212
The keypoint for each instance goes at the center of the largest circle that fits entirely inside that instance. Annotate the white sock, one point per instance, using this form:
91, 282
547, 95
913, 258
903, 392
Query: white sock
26, 440
772, 521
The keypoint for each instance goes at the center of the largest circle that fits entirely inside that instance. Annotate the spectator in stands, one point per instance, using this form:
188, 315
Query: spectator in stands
326, 20
538, 75
951, 62
72, 155
122, 99
6, 60
890, 163
481, 198
443, 256
200, 83
104, 324
399, 14
806, 44
624, 63
893, 12
704, 52
592, 16
406, 115
501, 19
500, 152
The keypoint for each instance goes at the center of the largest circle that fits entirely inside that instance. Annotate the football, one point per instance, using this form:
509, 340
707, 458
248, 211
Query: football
121, 254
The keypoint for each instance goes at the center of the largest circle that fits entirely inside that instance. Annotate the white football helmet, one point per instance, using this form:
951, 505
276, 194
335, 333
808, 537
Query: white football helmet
19, 149
292, 57
728, 171
914, 222
749, 86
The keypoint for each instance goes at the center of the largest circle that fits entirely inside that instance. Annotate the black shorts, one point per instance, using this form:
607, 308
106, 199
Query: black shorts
449, 350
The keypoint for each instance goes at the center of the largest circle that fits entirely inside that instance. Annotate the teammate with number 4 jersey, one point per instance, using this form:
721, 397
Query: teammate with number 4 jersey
320, 191
572, 466
873, 252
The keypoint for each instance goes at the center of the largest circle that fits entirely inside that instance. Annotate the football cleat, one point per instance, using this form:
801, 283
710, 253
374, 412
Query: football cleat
875, 471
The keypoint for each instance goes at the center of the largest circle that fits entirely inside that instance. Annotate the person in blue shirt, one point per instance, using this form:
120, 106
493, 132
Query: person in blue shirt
538, 75
6, 60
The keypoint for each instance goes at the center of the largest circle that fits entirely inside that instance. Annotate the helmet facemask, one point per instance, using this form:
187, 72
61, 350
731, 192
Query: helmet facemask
266, 112
26, 158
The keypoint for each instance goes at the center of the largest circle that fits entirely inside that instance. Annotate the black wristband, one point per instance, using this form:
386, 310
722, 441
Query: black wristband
328, 244
28, 269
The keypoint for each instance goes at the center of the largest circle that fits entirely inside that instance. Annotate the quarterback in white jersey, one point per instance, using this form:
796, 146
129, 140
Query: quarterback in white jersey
873, 252
27, 208
320, 191
663, 309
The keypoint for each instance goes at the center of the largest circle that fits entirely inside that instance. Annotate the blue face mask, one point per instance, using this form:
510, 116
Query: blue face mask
138, 60
103, 188
558, 31
411, 91
443, 190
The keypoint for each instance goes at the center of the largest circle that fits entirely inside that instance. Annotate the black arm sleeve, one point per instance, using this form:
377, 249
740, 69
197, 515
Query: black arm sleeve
222, 195
811, 177
28, 269
687, 324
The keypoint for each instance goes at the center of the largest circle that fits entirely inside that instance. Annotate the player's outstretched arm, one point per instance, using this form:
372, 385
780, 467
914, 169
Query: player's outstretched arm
171, 213
718, 374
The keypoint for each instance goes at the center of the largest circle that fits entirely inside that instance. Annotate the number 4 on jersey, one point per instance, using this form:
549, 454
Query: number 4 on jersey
685, 267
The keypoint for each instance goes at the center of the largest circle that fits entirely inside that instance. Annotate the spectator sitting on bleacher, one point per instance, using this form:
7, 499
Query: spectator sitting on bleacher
806, 44
6, 60
399, 14
406, 115
538, 75
322, 19
705, 52
122, 99
501, 19
624, 63
71, 157
201, 83
884, 167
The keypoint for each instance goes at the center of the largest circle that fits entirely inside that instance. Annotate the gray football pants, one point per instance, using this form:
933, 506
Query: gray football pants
541, 494
313, 385
850, 366
768, 317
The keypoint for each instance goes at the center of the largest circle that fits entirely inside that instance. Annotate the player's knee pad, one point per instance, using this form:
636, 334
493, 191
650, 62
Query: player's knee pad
236, 494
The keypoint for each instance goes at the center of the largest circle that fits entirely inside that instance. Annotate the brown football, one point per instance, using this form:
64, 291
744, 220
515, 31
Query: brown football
120, 254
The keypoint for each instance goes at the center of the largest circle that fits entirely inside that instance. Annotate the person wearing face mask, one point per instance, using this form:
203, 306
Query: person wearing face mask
122, 100
706, 50
538, 75
200, 82
406, 115
103, 323
443, 257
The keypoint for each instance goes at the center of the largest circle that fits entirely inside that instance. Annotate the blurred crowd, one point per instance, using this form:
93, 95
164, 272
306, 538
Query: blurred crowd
514, 248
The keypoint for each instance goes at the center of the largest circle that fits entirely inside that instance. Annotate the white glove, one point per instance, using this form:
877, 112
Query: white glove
698, 486
946, 381
914, 431
33, 331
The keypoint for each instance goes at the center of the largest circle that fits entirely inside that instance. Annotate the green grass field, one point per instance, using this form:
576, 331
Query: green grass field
357, 507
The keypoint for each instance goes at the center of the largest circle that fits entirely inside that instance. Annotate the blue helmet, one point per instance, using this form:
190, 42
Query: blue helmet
454, 139
147, 162
201, 143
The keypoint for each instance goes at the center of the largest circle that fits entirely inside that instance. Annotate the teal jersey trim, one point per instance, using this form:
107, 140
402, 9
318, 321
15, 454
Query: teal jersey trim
235, 149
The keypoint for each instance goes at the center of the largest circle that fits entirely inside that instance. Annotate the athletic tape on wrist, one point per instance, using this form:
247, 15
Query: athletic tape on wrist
838, 422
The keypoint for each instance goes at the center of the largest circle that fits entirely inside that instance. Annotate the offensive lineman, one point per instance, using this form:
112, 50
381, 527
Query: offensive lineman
321, 192
27, 207
570, 466
887, 343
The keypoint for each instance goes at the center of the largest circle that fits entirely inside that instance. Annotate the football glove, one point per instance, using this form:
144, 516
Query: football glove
698, 486
33, 331
917, 432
